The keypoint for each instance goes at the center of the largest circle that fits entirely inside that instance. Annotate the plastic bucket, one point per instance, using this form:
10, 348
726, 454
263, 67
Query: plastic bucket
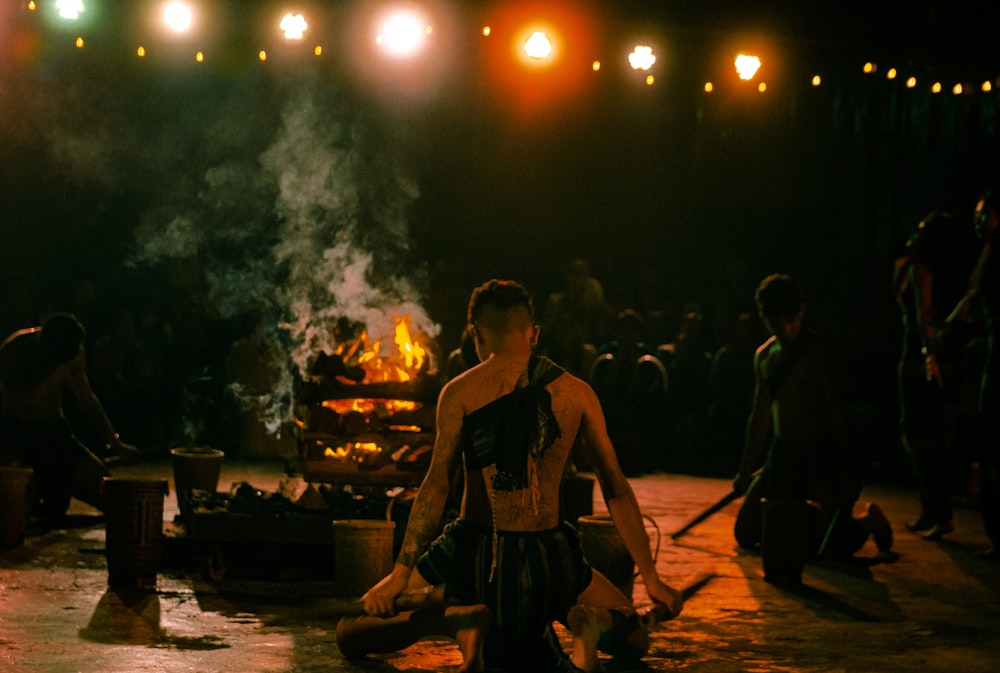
15, 505
784, 539
362, 554
606, 552
134, 531
195, 468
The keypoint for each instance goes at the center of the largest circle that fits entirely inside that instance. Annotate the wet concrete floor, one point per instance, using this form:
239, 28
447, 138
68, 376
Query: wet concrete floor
935, 608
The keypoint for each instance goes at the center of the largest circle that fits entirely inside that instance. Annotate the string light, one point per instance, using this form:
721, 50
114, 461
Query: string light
179, 17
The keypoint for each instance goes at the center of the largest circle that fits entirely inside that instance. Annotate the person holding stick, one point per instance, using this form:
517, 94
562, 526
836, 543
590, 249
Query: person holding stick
509, 561
796, 470
38, 365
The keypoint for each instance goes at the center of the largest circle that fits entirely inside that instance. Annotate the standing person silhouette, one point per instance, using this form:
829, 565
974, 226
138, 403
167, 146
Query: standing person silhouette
984, 294
928, 280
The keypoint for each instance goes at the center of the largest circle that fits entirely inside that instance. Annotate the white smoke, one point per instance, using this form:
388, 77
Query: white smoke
313, 233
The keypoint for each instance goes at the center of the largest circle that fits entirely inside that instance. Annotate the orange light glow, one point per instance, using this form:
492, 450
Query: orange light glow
141, 51
359, 452
554, 81
709, 87
370, 405
911, 82
987, 86
817, 80
79, 42
936, 87
538, 46
200, 57
891, 73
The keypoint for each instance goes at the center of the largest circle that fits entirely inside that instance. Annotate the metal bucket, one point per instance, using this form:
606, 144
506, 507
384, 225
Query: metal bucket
362, 554
134, 530
15, 505
784, 539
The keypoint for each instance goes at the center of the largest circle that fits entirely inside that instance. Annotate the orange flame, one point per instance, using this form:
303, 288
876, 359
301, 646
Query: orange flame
403, 365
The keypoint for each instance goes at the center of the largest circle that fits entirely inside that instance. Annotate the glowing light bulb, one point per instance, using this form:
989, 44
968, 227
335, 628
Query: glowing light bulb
642, 58
538, 45
747, 66
70, 9
177, 16
293, 26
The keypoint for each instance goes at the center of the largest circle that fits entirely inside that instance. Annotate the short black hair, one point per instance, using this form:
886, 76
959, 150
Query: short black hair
62, 336
499, 294
778, 296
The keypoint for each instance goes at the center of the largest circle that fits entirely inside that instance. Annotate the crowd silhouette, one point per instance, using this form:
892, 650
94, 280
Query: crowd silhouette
672, 363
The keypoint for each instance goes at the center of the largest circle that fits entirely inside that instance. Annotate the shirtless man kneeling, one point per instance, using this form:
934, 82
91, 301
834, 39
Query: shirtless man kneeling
512, 566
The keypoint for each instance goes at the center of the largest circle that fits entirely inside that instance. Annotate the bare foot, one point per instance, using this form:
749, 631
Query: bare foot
587, 624
470, 624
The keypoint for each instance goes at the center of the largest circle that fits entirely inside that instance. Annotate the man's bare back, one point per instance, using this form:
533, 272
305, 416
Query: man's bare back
519, 509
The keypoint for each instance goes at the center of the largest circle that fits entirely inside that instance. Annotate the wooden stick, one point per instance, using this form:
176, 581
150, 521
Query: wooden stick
435, 596
657, 614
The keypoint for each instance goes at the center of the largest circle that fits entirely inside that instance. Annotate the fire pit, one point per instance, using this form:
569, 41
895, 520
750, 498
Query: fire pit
366, 418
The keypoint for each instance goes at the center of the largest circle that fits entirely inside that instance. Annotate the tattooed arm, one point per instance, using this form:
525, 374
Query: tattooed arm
427, 508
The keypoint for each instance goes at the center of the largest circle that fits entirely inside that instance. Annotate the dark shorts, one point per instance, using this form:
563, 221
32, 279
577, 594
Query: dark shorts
538, 578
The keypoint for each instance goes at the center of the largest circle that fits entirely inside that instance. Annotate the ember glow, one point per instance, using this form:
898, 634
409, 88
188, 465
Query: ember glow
359, 452
368, 406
